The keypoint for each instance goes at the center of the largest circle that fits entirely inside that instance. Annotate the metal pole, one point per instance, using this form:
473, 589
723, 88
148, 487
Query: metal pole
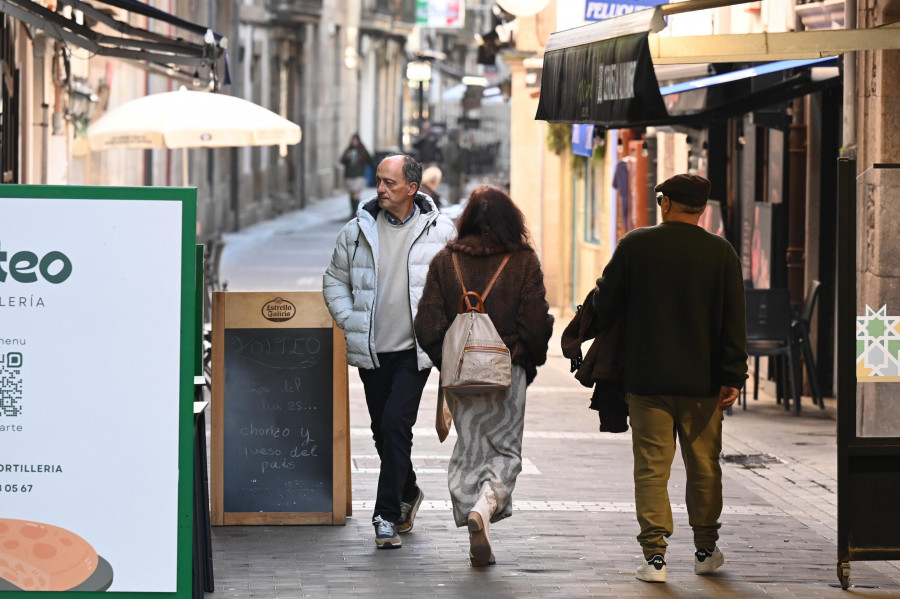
796, 204
237, 88
845, 348
421, 105
692, 5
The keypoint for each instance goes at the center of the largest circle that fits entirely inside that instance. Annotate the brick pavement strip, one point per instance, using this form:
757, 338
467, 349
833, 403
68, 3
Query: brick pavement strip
573, 527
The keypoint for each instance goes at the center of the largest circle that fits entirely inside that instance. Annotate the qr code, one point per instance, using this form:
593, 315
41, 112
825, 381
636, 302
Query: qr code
10, 384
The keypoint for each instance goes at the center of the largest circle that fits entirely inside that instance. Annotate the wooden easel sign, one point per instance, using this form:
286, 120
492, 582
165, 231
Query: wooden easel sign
280, 419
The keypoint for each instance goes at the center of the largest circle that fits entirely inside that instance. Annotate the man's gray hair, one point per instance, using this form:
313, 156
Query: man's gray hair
412, 170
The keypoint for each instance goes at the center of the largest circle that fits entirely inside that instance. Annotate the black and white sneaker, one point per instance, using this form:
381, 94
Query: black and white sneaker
653, 569
386, 535
408, 513
707, 561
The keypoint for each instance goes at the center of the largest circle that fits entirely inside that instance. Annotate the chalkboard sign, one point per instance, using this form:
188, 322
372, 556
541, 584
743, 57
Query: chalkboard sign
280, 440
278, 454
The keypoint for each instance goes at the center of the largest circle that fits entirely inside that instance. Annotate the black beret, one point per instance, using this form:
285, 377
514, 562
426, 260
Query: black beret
690, 190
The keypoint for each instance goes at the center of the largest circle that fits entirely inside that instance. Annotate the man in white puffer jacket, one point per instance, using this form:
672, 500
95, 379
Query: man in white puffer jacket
372, 288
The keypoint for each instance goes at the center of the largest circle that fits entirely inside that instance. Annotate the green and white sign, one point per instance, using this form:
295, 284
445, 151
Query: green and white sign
443, 14
96, 418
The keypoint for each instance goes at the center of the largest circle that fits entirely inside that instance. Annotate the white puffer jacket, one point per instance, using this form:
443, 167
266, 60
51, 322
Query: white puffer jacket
350, 281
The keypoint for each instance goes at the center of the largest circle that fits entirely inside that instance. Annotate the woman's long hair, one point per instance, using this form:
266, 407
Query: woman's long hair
359, 144
493, 216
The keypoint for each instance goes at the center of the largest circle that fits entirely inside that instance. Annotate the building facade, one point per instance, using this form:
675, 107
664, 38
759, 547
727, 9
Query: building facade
771, 162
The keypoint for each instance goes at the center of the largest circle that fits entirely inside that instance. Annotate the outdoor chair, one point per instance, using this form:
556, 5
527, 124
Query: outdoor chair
801, 326
769, 334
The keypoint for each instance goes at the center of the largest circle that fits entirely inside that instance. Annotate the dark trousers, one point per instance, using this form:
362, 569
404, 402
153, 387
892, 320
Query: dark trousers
393, 392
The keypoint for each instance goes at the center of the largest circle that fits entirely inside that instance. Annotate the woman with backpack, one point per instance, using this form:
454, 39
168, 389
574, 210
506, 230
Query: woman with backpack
487, 456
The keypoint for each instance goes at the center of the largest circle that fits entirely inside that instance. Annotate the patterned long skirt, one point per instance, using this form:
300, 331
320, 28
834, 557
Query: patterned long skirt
488, 447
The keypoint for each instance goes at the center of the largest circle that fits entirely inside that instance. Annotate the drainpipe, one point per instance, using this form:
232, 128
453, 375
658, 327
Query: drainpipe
234, 155
797, 206
540, 224
59, 73
573, 258
41, 50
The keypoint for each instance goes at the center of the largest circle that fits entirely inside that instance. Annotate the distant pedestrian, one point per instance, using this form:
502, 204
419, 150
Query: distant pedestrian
355, 160
431, 178
680, 291
487, 457
454, 167
427, 147
371, 287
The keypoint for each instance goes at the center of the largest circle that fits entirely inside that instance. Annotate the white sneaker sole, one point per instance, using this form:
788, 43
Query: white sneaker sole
393, 543
651, 575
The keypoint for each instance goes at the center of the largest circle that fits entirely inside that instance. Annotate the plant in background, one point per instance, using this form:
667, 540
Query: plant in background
559, 141
559, 137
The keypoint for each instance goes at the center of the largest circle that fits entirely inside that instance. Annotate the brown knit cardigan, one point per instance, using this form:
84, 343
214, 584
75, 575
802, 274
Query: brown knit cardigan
517, 303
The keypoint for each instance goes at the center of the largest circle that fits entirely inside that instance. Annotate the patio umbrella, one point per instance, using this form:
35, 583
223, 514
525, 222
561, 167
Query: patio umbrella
190, 119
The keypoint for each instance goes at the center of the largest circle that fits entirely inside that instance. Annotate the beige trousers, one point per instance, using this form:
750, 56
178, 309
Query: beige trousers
696, 423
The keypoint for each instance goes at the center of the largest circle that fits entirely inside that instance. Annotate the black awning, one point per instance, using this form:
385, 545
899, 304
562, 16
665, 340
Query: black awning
612, 84
608, 81
181, 58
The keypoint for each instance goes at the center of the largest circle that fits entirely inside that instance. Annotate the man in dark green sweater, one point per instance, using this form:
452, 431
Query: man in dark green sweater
680, 291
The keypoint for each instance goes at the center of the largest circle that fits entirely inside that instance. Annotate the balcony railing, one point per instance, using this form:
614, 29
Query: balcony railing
295, 9
827, 14
402, 11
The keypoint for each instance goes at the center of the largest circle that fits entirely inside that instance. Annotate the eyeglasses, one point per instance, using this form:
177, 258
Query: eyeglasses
659, 198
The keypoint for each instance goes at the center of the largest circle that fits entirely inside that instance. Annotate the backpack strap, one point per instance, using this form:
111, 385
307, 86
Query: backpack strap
458, 272
479, 306
494, 278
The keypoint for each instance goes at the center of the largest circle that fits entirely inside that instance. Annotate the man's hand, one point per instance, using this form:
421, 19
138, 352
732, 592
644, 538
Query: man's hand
727, 397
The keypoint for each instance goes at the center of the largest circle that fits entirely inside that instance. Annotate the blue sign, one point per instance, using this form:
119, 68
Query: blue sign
595, 10
583, 140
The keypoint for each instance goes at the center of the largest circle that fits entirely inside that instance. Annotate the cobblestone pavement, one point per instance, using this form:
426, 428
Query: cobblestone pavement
572, 533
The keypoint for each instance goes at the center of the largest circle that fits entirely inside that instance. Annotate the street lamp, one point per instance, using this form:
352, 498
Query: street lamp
82, 101
419, 71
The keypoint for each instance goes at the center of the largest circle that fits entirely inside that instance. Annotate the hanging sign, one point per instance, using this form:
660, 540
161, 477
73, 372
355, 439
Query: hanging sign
596, 10
583, 140
96, 402
441, 14
603, 82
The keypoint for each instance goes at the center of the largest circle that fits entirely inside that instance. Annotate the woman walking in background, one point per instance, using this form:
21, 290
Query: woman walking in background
355, 160
487, 457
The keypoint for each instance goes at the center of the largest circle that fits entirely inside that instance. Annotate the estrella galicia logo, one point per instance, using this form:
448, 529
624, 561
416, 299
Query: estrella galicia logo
279, 310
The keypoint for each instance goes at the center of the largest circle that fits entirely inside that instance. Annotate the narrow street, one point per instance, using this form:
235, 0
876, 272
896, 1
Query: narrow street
573, 528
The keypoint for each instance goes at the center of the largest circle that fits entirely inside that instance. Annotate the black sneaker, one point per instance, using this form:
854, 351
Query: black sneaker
653, 569
386, 535
408, 513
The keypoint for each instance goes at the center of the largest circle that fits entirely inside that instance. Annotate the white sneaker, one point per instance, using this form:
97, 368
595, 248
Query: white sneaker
706, 561
653, 569
386, 535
